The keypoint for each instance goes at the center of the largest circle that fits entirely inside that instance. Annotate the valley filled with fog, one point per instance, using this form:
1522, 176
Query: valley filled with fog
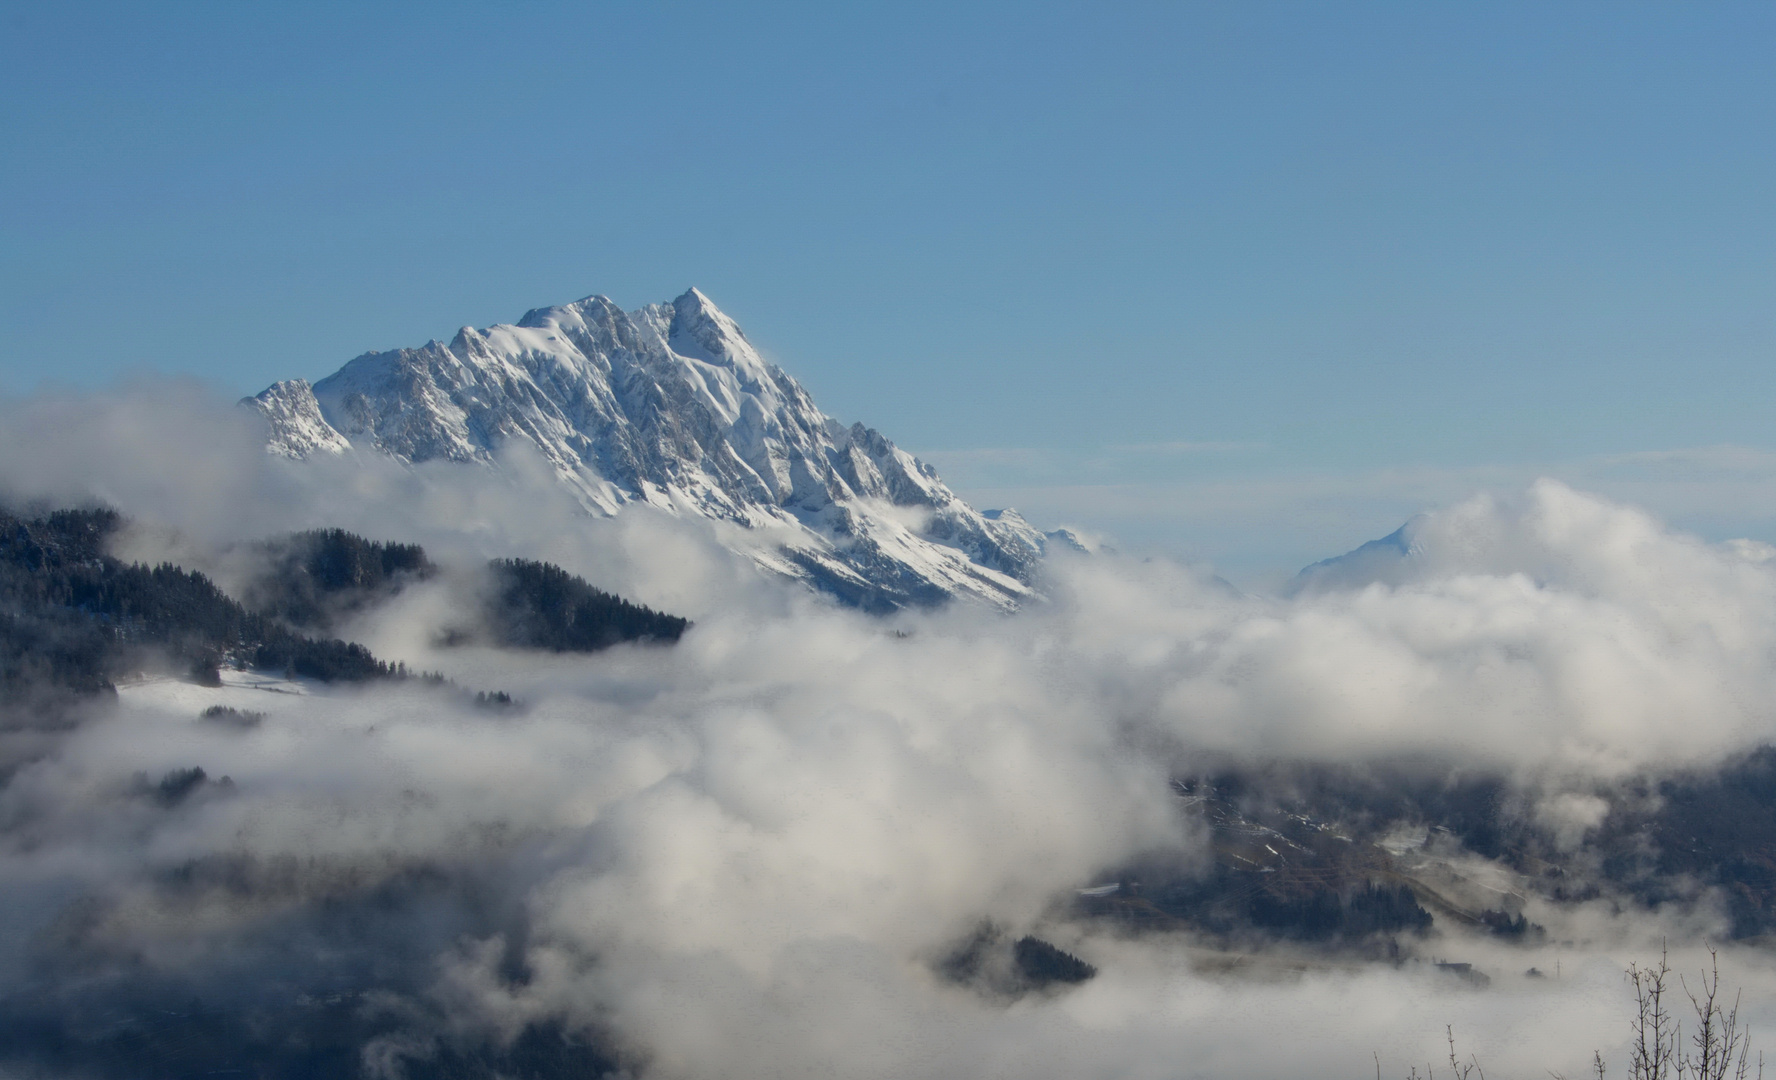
1251, 835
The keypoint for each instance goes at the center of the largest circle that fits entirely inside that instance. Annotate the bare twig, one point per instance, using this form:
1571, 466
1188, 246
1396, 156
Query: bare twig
1720, 1043
1461, 1069
1652, 1052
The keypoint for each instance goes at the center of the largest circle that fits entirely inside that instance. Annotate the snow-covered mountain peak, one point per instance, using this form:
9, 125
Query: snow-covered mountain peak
671, 405
583, 313
297, 427
702, 331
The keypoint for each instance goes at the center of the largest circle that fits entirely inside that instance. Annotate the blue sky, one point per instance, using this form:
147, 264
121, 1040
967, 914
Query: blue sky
1240, 282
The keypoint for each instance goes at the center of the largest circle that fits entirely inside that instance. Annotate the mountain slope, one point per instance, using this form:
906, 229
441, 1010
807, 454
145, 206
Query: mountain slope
670, 405
1380, 560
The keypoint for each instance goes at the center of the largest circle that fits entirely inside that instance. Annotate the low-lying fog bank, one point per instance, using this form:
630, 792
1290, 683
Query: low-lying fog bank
761, 850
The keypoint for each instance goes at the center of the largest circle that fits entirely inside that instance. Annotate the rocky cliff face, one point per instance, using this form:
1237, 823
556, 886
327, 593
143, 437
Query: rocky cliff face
672, 406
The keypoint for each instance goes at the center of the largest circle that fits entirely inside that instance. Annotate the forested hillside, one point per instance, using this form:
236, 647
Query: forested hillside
540, 606
314, 578
73, 618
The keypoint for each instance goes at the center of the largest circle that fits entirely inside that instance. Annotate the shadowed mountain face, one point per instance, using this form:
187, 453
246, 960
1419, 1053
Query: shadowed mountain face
670, 405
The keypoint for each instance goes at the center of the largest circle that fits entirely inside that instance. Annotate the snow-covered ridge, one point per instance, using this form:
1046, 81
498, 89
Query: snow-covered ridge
297, 426
672, 406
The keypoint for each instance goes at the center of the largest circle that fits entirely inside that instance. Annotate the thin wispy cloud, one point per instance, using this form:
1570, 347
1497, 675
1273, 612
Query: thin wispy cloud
1182, 447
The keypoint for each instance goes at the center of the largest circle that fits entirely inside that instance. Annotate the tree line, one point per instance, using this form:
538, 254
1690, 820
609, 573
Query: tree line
73, 618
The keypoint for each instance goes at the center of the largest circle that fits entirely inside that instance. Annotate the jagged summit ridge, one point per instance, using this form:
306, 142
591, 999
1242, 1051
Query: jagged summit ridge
298, 428
671, 405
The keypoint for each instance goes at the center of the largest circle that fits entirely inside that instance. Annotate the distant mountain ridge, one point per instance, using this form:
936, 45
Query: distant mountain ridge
670, 405
1381, 560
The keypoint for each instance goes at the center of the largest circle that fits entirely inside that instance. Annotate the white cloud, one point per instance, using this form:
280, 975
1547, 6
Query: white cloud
740, 855
1261, 524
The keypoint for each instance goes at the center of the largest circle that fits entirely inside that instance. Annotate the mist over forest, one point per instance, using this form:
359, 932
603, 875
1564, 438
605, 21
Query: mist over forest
343, 767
